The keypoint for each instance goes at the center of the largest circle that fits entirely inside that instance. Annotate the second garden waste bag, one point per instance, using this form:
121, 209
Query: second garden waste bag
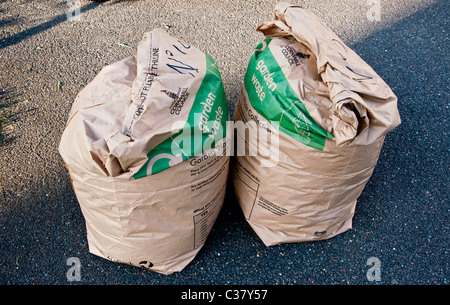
325, 113
145, 146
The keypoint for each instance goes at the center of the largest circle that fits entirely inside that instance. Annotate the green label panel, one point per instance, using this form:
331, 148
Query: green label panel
272, 96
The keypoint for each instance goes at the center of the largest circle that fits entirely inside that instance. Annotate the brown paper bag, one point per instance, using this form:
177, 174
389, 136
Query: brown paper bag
145, 146
326, 112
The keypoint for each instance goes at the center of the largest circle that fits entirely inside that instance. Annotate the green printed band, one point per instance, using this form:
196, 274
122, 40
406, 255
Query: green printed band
206, 124
272, 96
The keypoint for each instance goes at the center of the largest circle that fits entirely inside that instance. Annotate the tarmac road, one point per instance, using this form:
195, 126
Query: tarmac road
402, 217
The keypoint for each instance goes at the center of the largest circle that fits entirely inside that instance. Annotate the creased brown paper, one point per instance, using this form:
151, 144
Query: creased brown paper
330, 112
148, 170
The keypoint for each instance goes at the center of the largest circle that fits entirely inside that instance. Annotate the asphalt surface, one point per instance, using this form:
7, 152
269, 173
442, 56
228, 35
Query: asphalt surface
402, 217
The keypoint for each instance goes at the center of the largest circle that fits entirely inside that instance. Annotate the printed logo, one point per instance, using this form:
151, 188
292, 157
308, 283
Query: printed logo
293, 57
